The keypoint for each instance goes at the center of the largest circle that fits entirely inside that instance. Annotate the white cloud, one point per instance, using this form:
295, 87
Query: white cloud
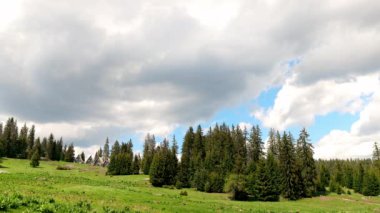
299, 104
359, 141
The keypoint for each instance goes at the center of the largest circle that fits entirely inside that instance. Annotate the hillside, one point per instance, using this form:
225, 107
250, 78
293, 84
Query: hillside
87, 189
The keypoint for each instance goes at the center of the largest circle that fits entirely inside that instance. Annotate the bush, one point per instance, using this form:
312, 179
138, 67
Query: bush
215, 183
178, 185
60, 167
183, 193
35, 160
236, 185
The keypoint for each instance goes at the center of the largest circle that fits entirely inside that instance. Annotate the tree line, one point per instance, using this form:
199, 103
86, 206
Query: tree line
232, 159
24, 144
224, 159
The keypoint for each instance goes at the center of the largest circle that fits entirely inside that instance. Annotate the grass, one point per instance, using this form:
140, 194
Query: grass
85, 188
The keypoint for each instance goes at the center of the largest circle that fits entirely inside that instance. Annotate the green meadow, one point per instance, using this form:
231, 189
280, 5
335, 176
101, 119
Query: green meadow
86, 188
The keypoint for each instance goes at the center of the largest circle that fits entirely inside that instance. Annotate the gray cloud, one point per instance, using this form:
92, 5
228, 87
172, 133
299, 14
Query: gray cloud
136, 66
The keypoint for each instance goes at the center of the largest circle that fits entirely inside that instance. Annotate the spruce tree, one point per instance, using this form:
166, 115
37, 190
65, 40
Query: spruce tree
30, 142
371, 185
35, 160
22, 143
70, 154
358, 178
162, 170
58, 150
255, 148
306, 161
9, 138
106, 149
272, 143
291, 176
83, 157
186, 173
148, 153
240, 150
136, 165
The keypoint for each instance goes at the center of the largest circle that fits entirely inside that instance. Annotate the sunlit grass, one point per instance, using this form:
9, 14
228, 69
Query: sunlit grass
89, 184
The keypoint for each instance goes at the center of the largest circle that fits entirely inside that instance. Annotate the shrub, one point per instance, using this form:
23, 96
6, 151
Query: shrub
236, 186
60, 167
215, 183
35, 160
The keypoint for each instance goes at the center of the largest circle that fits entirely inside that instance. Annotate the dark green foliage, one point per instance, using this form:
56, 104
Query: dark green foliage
236, 185
255, 144
214, 183
70, 154
307, 165
9, 139
35, 160
185, 169
240, 149
324, 176
30, 142
83, 156
148, 153
58, 155
136, 164
290, 171
15, 144
121, 159
200, 179
358, 178
371, 185
163, 168
22, 143
264, 183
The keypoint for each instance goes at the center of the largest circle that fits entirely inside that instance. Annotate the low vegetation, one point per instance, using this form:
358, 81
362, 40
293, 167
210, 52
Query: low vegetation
86, 188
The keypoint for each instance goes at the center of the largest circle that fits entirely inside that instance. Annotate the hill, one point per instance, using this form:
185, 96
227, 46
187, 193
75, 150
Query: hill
84, 188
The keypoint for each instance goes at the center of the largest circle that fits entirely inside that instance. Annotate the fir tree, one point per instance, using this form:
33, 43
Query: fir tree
35, 160
58, 150
70, 154
272, 143
106, 149
148, 153
240, 149
306, 161
255, 149
136, 165
83, 157
186, 172
162, 170
22, 142
30, 142
371, 185
291, 175
358, 179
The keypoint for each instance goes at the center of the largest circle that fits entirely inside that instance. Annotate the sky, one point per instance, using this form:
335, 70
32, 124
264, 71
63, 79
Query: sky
90, 69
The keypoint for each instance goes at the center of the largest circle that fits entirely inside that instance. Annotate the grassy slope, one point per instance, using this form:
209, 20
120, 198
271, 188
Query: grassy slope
88, 183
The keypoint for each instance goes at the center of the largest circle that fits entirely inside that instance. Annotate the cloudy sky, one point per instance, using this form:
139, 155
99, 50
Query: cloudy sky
90, 69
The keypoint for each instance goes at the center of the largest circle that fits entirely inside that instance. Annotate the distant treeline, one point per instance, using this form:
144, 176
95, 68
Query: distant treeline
231, 159
225, 159
23, 144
